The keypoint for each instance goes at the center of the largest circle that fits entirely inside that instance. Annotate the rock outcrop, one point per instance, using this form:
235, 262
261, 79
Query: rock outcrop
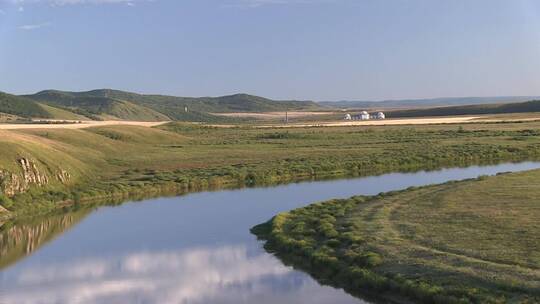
63, 176
10, 183
30, 175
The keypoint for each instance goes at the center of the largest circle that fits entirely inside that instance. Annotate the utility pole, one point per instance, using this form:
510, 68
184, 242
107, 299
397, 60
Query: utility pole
286, 117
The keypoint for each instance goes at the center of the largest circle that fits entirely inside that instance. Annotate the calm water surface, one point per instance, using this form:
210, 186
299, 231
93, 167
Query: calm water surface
190, 249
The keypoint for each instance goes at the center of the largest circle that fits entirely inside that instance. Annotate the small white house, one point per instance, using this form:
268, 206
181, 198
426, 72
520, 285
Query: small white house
378, 116
348, 116
364, 115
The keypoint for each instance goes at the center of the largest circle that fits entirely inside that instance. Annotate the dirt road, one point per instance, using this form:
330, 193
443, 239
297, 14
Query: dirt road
386, 122
273, 115
404, 121
81, 125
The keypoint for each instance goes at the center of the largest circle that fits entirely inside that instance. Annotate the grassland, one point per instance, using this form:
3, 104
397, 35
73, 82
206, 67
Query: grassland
130, 160
475, 241
61, 114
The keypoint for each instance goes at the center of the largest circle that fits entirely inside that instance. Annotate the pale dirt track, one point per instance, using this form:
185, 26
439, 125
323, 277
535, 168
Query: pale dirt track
273, 115
386, 122
390, 122
414, 121
82, 125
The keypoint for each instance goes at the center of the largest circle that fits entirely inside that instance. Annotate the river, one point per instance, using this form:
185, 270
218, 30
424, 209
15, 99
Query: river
195, 248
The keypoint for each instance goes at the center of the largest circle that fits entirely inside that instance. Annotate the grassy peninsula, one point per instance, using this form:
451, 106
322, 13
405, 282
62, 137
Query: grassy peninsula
474, 241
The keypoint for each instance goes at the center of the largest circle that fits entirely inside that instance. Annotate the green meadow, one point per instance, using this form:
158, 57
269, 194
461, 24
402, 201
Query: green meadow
120, 161
474, 241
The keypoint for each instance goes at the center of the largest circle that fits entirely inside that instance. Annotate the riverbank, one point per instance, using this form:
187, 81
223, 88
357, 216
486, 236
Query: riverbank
473, 241
185, 223
125, 161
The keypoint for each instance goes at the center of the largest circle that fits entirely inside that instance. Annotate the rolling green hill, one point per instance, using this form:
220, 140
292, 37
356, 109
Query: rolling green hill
223, 104
133, 106
98, 106
62, 114
20, 106
522, 107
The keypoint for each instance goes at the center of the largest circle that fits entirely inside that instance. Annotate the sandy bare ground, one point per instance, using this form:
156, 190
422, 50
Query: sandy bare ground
273, 115
386, 122
405, 121
81, 125
397, 122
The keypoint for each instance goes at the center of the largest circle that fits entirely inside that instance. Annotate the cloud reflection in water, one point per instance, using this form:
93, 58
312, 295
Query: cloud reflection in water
218, 275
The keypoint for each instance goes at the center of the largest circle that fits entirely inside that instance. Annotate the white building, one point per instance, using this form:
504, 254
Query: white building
380, 115
364, 115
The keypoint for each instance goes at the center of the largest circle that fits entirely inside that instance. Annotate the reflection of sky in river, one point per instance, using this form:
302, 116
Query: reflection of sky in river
220, 275
191, 249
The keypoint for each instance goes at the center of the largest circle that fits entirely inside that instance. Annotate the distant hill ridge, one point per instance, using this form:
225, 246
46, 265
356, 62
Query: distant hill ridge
97, 106
506, 108
21, 106
132, 106
107, 104
427, 103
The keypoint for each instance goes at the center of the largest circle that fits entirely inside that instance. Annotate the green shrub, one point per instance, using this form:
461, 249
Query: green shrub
5, 201
369, 259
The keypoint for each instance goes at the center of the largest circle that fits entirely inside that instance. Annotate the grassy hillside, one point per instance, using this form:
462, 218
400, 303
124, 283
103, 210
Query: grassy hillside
122, 160
223, 104
98, 107
100, 102
62, 114
424, 103
475, 241
67, 159
523, 107
21, 106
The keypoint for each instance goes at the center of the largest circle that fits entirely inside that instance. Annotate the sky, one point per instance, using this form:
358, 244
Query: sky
282, 49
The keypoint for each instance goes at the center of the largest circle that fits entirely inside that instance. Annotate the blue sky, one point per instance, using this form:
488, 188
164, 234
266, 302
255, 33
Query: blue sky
302, 49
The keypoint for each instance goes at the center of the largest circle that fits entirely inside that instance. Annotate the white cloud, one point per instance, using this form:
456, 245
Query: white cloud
30, 27
71, 2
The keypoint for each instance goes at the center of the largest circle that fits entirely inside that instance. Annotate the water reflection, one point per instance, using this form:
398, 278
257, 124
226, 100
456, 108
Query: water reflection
228, 274
21, 238
190, 249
